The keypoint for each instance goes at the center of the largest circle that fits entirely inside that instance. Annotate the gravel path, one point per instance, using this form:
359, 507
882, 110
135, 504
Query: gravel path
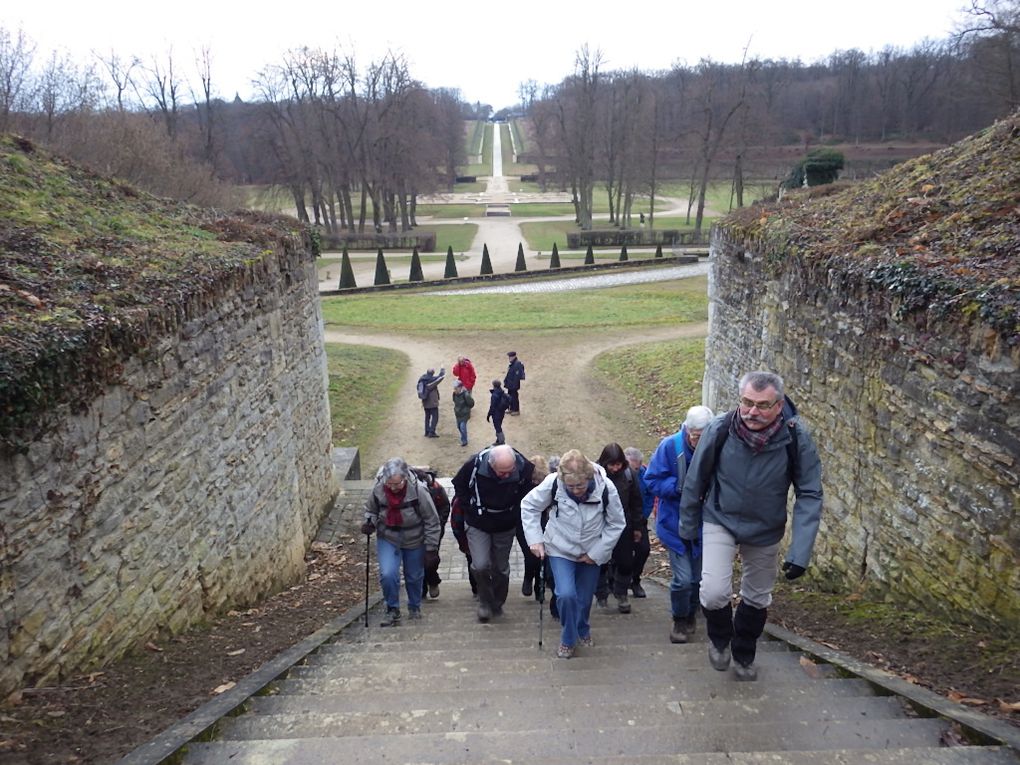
590, 282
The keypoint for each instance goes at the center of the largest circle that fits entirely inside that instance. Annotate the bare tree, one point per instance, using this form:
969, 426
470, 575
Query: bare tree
162, 85
16, 54
991, 32
119, 71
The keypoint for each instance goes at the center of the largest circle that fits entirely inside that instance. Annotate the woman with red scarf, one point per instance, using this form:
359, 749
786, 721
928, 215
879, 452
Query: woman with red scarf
401, 509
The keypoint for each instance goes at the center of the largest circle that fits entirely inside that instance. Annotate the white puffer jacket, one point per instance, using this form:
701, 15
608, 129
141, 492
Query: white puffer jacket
575, 527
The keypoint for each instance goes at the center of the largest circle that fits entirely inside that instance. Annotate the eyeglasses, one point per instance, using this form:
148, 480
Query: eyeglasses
574, 486
394, 485
761, 406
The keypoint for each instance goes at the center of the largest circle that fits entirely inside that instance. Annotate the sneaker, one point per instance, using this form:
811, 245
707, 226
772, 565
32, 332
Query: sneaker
638, 590
691, 623
622, 604
602, 602
484, 612
719, 657
414, 614
564, 651
677, 634
433, 591
746, 673
527, 587
587, 642
392, 618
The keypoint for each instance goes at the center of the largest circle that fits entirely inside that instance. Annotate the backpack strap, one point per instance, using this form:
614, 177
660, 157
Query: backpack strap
792, 450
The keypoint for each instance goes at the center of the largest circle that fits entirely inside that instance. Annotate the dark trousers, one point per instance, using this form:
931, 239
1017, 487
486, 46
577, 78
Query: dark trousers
497, 425
532, 565
432, 574
431, 420
515, 399
642, 550
616, 575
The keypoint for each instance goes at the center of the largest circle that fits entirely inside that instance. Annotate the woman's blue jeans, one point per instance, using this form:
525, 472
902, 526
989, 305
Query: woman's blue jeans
685, 585
390, 558
575, 587
462, 427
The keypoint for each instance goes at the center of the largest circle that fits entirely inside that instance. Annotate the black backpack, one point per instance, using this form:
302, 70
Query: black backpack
475, 499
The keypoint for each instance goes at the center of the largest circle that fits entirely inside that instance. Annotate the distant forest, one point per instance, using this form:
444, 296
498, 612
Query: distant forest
357, 146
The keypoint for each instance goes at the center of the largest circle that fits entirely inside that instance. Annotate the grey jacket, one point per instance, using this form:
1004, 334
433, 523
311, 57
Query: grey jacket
419, 519
574, 528
746, 493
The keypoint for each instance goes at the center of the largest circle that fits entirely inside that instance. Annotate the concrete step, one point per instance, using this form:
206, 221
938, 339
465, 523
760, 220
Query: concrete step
524, 645
541, 711
567, 742
512, 698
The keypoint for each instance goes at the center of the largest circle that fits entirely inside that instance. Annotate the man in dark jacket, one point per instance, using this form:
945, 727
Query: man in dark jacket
428, 384
512, 382
735, 492
489, 488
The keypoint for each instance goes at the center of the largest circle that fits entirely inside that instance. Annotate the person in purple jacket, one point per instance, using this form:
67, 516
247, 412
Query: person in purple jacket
665, 479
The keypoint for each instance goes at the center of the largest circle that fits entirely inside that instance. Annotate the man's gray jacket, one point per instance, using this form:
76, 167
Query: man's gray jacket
746, 493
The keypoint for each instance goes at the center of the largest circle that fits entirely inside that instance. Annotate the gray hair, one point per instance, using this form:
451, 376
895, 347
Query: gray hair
554, 462
760, 381
391, 468
633, 453
503, 451
698, 417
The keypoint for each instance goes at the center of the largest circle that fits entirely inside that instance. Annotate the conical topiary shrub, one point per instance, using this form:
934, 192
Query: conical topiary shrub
382, 275
554, 260
623, 253
520, 265
346, 272
486, 263
416, 274
589, 257
451, 264
658, 250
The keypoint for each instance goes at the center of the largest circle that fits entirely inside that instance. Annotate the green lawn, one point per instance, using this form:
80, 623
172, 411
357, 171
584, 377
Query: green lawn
363, 383
662, 380
644, 304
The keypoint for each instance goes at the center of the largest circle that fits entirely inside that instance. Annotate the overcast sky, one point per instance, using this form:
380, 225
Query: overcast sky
484, 49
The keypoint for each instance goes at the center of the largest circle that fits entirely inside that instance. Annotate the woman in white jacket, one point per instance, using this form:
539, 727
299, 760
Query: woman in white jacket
585, 520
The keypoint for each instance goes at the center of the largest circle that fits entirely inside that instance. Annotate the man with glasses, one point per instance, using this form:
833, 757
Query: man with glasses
734, 497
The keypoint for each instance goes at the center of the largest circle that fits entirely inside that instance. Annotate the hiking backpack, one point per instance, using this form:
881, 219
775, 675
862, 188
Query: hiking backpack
423, 389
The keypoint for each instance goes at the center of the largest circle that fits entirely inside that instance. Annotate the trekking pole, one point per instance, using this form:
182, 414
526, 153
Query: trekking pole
540, 596
368, 557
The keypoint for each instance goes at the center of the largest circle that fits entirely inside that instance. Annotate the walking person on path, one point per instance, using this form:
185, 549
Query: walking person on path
512, 382
498, 403
428, 392
489, 487
616, 575
665, 479
462, 405
736, 488
642, 547
464, 371
585, 520
401, 510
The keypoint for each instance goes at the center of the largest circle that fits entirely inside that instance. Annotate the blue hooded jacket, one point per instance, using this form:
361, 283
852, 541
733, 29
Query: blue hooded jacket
662, 480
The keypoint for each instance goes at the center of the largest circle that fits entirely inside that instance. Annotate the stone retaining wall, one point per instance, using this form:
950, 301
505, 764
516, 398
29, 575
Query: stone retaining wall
194, 485
919, 430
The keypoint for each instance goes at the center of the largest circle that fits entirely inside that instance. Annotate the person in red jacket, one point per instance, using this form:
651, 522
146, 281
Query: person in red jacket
464, 371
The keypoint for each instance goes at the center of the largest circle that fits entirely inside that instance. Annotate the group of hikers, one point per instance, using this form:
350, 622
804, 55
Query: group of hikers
717, 488
504, 397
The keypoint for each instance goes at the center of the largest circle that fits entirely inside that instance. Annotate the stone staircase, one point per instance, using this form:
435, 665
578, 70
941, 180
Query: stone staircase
449, 689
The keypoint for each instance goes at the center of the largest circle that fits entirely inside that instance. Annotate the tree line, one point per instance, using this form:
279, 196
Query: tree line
628, 130
355, 146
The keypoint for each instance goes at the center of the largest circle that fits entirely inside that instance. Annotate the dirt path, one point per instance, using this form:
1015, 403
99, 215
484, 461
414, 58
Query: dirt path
562, 406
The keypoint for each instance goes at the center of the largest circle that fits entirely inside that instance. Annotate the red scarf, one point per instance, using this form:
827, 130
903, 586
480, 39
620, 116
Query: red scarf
393, 502
756, 439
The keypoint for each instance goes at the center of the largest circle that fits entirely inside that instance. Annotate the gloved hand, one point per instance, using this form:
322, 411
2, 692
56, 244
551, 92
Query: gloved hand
368, 528
431, 559
793, 571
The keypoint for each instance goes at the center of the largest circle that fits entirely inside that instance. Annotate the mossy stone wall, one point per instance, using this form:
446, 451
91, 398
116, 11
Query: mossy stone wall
918, 428
194, 485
